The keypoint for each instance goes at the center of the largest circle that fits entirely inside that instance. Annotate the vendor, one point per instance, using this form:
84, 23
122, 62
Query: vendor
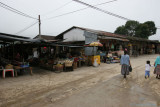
35, 57
35, 54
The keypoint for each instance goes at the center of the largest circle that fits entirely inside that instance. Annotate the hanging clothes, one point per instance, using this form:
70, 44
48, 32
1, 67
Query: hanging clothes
112, 46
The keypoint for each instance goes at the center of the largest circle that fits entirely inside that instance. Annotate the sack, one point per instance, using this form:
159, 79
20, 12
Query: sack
130, 69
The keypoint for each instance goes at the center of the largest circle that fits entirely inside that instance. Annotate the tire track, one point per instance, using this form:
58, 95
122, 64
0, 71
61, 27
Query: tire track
39, 96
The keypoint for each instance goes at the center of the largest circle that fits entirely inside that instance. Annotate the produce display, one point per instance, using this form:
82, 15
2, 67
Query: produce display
59, 67
9, 66
68, 62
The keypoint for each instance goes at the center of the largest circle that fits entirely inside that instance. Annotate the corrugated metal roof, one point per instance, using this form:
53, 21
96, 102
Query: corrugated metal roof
140, 39
120, 39
98, 32
16, 36
46, 37
12, 38
103, 33
108, 34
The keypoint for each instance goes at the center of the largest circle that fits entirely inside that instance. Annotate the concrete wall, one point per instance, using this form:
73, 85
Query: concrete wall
74, 35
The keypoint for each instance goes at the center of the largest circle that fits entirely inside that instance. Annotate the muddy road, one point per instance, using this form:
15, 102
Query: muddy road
102, 86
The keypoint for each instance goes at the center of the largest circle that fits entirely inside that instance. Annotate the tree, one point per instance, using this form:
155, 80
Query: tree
131, 26
121, 30
136, 29
142, 31
151, 27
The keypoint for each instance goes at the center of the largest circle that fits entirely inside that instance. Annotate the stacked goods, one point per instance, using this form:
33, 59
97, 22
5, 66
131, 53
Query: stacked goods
115, 59
9, 66
68, 63
74, 65
59, 67
60, 62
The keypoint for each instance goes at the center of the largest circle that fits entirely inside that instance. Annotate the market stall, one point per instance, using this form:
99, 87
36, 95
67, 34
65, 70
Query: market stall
94, 57
12, 53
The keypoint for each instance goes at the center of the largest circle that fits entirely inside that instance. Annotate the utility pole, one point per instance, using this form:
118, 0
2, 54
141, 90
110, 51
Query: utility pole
39, 25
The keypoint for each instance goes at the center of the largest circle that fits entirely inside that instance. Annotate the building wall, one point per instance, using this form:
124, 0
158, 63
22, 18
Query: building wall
74, 35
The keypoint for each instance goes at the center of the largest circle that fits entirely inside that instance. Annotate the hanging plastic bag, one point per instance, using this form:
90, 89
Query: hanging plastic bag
95, 64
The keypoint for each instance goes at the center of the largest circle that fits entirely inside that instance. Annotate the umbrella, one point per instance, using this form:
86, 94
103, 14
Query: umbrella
95, 44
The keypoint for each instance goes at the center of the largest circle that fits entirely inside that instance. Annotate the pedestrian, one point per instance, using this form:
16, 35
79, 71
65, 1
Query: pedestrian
125, 63
157, 66
147, 69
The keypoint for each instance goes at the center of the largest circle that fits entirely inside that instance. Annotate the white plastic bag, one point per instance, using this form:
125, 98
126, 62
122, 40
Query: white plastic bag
95, 64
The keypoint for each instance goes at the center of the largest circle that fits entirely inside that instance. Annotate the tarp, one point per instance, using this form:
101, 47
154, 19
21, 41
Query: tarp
90, 37
12, 38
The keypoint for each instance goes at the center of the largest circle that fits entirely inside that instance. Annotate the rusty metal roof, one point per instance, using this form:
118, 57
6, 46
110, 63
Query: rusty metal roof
98, 32
103, 33
46, 37
108, 34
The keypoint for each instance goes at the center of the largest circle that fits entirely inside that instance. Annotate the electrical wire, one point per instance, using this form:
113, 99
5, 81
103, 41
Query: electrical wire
58, 8
78, 10
26, 28
15, 10
104, 11
10, 9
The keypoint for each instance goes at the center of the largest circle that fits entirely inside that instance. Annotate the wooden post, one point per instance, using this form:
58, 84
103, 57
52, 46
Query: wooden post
4, 49
13, 50
39, 25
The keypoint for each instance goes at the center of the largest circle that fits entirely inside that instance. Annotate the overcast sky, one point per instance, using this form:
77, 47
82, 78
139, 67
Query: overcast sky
140, 10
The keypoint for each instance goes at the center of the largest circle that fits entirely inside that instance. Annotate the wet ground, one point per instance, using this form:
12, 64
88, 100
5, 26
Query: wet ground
101, 86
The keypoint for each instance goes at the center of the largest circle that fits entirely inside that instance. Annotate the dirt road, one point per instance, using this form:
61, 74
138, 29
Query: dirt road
102, 86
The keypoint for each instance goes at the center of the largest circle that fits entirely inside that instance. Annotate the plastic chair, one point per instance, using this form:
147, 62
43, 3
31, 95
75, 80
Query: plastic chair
7, 70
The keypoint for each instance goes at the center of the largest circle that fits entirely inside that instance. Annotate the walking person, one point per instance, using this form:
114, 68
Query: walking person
147, 69
157, 66
125, 63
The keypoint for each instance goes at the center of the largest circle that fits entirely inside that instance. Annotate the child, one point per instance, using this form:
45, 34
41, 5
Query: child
147, 69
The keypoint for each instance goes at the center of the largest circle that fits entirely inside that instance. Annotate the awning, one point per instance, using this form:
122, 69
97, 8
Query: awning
12, 38
113, 38
75, 46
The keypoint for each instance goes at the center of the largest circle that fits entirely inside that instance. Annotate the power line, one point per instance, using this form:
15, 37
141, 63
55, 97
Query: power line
78, 10
58, 8
10, 9
104, 11
26, 28
15, 10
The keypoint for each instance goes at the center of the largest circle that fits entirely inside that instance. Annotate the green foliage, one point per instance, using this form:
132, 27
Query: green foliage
142, 31
136, 29
131, 26
121, 30
151, 27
